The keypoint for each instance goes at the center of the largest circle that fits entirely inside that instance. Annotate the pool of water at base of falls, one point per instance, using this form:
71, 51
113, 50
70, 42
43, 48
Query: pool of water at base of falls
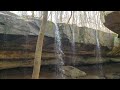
26, 73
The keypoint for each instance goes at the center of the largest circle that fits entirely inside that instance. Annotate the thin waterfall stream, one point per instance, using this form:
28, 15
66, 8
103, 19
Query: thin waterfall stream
58, 51
98, 55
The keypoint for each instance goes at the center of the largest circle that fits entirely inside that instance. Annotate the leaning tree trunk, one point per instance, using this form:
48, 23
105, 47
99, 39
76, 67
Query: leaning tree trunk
38, 53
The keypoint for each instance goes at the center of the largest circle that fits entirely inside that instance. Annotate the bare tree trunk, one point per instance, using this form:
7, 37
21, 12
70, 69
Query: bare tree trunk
32, 14
38, 53
73, 19
61, 16
76, 18
41, 15
51, 15
56, 14
69, 18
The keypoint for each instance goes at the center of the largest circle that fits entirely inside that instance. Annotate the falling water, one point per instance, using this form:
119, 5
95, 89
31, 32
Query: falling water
73, 46
98, 49
98, 54
59, 52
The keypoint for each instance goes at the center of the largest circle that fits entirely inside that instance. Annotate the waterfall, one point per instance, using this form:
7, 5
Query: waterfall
58, 51
73, 46
98, 54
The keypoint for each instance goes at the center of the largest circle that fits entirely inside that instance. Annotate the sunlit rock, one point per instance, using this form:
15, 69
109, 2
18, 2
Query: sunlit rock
72, 72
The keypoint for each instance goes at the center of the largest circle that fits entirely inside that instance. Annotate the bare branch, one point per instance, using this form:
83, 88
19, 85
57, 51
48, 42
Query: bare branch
69, 18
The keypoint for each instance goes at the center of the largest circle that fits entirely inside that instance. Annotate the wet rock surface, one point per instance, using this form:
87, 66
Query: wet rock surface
18, 41
26, 27
18, 38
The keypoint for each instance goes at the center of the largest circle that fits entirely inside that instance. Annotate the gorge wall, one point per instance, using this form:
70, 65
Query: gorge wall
18, 41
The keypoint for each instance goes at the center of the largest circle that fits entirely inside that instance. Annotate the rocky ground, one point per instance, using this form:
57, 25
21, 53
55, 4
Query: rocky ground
111, 71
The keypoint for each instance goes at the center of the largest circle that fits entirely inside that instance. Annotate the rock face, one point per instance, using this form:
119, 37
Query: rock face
72, 72
18, 39
86, 35
112, 21
18, 26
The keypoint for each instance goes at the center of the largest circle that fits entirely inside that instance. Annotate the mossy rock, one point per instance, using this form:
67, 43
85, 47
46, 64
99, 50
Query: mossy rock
115, 51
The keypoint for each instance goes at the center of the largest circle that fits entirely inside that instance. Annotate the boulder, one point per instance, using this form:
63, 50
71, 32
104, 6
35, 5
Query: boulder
72, 72
113, 76
112, 21
90, 77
